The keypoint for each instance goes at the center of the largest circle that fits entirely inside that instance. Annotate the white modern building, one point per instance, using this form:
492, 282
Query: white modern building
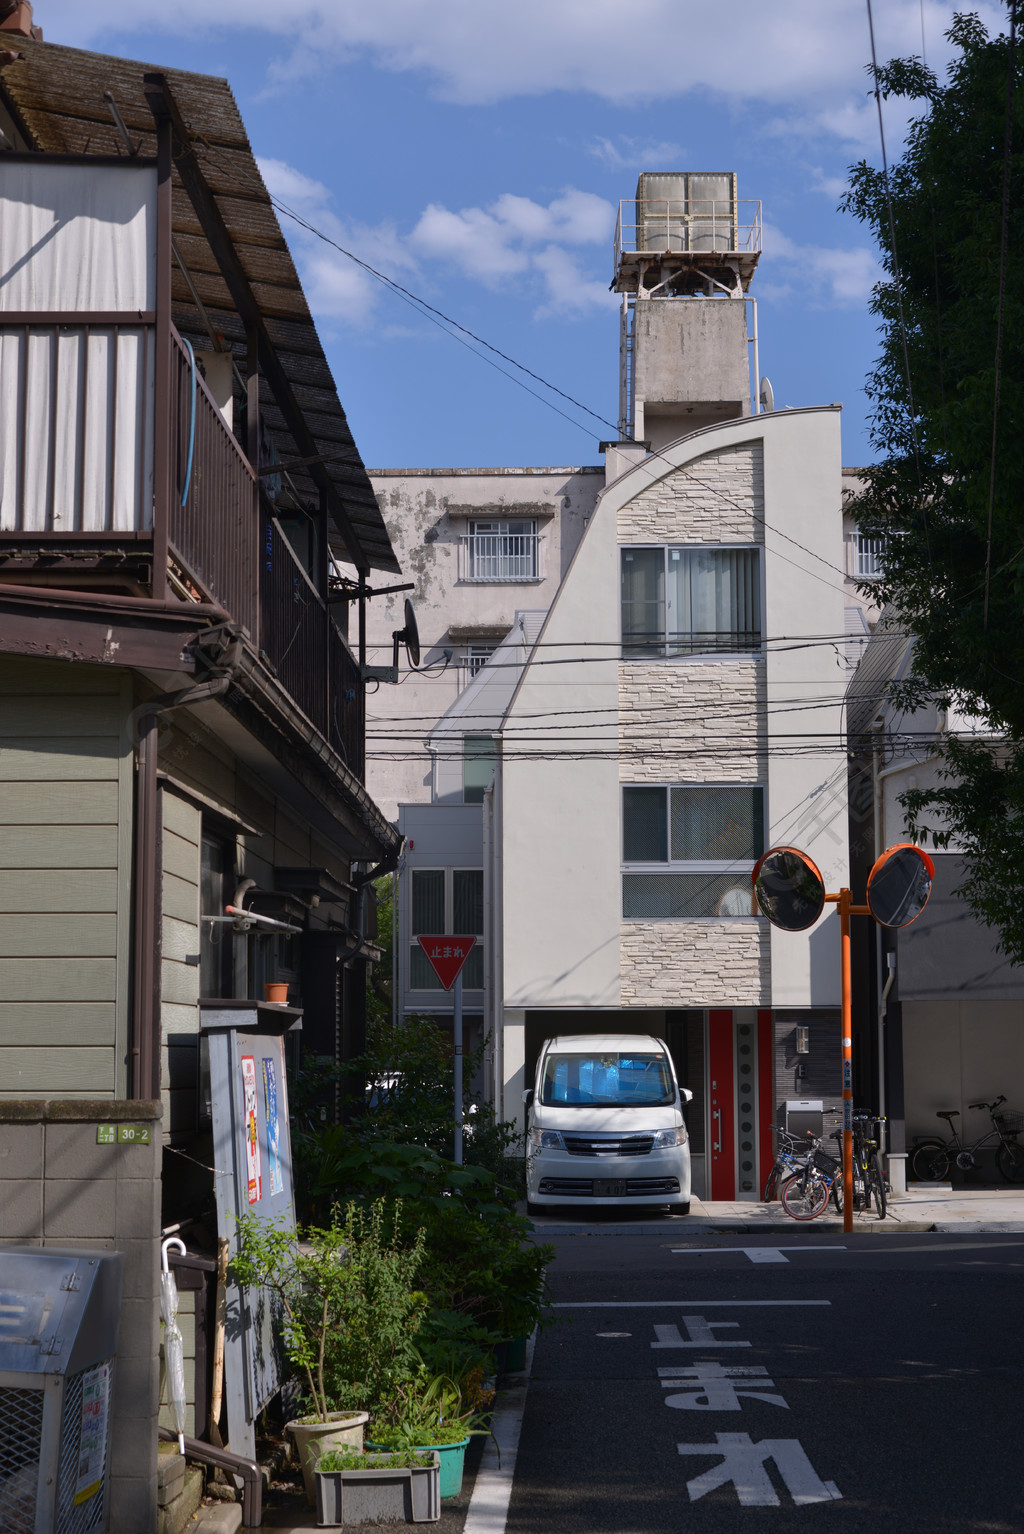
600, 789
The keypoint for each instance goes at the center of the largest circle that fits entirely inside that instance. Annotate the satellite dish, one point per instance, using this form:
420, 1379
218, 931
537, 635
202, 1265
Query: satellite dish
767, 394
899, 885
409, 636
789, 889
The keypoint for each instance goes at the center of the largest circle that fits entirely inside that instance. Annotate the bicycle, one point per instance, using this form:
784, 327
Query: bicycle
931, 1157
786, 1162
806, 1194
867, 1166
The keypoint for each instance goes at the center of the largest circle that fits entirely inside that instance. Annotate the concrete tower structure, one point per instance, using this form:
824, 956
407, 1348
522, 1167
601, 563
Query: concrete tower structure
685, 252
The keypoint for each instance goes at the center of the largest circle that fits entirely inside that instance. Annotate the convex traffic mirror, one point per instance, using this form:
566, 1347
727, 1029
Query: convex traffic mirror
899, 885
789, 889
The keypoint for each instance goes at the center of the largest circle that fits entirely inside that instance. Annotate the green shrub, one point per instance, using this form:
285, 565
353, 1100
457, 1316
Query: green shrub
348, 1309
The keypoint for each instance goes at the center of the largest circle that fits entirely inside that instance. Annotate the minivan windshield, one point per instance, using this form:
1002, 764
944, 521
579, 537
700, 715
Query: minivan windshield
607, 1081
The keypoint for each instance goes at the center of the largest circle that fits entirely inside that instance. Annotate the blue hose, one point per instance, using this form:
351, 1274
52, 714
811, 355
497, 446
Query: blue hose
191, 424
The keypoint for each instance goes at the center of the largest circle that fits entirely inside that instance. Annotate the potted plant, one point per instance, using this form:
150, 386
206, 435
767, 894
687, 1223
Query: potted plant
398, 1487
432, 1413
347, 1313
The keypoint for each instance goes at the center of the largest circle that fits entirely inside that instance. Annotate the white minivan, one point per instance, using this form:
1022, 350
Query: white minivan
605, 1124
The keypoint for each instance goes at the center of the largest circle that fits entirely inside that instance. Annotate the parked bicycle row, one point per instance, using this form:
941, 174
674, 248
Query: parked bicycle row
807, 1177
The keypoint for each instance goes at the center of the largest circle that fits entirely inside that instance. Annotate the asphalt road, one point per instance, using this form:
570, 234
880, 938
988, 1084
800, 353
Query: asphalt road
882, 1387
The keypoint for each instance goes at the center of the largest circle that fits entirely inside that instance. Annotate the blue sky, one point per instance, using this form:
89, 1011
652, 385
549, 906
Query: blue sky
476, 152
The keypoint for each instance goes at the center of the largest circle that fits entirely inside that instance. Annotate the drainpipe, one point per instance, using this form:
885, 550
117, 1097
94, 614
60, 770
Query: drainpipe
144, 1061
490, 1009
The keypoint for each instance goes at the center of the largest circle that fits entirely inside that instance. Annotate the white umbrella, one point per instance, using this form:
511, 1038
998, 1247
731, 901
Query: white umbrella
174, 1350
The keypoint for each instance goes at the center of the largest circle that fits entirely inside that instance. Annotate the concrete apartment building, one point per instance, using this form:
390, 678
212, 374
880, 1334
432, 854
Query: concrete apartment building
599, 790
182, 812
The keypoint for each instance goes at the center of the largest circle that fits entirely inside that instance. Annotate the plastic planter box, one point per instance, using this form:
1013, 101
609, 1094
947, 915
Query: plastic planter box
451, 1455
345, 1497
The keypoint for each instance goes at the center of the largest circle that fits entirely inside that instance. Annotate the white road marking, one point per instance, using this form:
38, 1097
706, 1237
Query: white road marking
653, 1304
743, 1466
711, 1386
756, 1253
492, 1489
700, 1333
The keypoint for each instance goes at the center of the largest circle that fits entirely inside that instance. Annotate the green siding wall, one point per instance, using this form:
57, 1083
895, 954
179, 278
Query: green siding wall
65, 867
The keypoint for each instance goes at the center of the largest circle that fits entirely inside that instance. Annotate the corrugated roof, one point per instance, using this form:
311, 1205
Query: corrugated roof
57, 96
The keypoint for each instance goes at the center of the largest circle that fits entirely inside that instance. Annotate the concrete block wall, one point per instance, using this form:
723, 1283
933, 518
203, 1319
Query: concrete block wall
58, 1187
695, 964
718, 498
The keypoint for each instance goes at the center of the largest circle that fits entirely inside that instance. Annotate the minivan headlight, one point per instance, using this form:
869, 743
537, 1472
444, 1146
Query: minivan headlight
665, 1138
544, 1139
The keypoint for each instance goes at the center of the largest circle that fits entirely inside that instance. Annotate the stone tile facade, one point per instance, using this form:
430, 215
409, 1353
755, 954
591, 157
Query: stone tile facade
695, 964
695, 722
692, 721
715, 499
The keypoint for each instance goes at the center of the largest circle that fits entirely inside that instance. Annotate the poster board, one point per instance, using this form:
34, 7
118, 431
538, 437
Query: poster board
252, 1174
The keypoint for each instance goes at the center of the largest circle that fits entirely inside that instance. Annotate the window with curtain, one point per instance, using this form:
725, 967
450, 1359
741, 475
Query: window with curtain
682, 600
688, 850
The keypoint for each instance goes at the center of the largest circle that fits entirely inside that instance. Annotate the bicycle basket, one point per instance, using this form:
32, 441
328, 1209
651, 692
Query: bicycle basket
823, 1162
1010, 1123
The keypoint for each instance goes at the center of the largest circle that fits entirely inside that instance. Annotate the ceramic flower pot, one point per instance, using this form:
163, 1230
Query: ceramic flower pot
276, 991
342, 1429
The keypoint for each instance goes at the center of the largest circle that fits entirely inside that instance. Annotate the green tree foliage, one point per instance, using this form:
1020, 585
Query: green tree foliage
952, 514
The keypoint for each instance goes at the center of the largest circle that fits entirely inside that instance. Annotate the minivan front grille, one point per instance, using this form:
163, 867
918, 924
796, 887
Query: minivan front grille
583, 1187
608, 1145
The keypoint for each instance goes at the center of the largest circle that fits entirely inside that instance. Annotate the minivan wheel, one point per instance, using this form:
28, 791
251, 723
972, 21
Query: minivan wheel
534, 1209
679, 1208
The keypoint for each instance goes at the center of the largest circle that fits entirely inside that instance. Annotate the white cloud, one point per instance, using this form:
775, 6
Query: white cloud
800, 55
636, 154
335, 287
823, 275
513, 238
517, 237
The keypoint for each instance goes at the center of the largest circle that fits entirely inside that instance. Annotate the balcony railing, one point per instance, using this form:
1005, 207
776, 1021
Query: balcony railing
511, 556
696, 225
213, 523
306, 649
77, 425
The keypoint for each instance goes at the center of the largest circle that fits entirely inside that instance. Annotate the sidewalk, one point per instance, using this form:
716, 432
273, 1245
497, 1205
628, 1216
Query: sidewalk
924, 1207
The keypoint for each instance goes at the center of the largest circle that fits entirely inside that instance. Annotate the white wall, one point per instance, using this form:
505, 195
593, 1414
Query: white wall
957, 1053
807, 781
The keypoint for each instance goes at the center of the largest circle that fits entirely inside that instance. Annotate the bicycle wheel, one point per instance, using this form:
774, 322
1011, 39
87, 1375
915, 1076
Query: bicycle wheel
804, 1198
929, 1161
877, 1181
836, 1193
771, 1187
1011, 1161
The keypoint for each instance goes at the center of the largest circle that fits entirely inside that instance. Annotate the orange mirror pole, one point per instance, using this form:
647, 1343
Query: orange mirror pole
847, 1022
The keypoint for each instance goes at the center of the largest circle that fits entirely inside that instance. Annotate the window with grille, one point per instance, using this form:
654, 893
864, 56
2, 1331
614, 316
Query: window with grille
500, 551
446, 900
868, 554
681, 600
476, 656
688, 850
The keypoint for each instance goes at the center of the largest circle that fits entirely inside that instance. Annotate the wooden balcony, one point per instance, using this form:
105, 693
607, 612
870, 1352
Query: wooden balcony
120, 476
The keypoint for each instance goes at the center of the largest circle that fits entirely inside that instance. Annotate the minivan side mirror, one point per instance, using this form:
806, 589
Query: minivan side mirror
528, 1096
686, 1094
